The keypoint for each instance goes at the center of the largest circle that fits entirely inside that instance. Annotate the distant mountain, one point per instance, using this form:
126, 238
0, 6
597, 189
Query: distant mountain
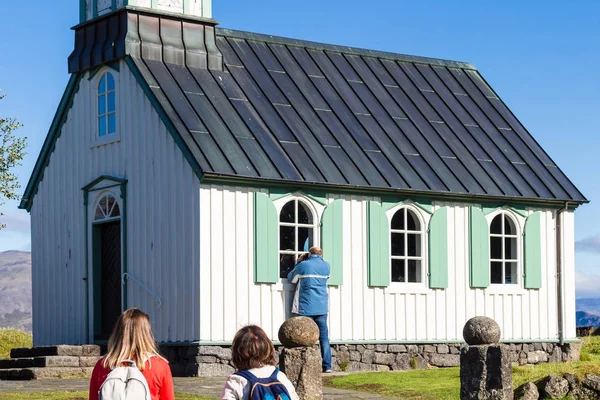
588, 305
15, 290
587, 319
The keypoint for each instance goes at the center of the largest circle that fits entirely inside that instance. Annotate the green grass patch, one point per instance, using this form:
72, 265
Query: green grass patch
529, 373
11, 338
442, 383
82, 395
590, 350
45, 395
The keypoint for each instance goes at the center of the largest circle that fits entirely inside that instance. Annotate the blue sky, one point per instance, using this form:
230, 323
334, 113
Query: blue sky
541, 57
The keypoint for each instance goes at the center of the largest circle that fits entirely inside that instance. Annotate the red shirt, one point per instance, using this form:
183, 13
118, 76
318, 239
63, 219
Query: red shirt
157, 374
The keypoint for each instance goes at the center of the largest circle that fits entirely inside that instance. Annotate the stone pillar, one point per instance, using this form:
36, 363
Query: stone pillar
485, 366
301, 360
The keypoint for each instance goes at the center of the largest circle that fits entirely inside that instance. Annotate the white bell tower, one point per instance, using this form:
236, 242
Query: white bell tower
91, 9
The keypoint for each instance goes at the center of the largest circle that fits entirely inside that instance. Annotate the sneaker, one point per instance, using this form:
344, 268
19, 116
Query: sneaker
327, 371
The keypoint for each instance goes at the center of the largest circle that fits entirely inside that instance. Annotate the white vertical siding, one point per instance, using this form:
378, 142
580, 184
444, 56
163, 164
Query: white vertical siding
162, 220
230, 299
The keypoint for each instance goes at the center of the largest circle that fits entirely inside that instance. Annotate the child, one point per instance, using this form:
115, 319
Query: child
131, 338
253, 352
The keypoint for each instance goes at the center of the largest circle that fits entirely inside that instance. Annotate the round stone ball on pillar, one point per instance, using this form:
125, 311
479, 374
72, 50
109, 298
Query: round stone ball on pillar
298, 332
481, 330
301, 360
485, 368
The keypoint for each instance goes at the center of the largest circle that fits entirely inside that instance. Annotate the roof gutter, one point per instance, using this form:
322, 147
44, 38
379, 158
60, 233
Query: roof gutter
211, 177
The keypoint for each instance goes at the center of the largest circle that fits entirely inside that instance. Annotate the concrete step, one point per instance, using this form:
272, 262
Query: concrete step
25, 374
49, 361
87, 350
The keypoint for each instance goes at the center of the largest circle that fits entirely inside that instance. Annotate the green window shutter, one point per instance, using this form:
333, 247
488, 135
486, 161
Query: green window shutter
378, 243
332, 240
479, 249
438, 249
533, 251
266, 254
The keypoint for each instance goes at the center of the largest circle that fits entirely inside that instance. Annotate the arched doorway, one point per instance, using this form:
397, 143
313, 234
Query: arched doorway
106, 240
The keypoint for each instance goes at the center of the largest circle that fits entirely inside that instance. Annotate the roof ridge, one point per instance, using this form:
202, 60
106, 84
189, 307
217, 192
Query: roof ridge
342, 49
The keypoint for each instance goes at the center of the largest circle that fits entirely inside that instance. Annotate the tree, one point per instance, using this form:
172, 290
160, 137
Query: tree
12, 151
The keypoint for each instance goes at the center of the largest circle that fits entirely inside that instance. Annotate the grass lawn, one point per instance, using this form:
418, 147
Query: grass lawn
10, 338
444, 383
77, 396
441, 383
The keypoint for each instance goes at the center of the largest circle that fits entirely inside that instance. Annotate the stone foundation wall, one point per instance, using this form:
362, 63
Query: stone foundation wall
194, 360
386, 357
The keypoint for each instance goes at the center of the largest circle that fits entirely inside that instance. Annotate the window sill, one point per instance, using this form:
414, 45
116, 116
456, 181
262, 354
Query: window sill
106, 139
499, 288
408, 288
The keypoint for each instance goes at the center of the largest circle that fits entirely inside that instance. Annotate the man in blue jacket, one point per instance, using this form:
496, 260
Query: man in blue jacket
311, 298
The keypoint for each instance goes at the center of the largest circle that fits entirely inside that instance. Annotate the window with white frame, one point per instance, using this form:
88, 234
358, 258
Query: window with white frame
504, 250
406, 239
107, 115
297, 227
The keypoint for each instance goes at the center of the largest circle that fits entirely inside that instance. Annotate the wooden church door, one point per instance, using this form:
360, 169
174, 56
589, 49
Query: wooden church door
106, 236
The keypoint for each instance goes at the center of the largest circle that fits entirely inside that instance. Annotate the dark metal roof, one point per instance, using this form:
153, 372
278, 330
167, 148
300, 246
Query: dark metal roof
257, 108
298, 111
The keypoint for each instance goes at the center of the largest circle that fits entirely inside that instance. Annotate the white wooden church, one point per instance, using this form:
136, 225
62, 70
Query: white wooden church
188, 166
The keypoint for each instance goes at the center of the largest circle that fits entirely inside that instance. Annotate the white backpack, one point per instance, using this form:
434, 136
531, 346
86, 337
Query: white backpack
125, 383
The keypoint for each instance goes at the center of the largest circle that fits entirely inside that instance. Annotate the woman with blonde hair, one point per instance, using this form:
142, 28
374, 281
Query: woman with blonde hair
131, 339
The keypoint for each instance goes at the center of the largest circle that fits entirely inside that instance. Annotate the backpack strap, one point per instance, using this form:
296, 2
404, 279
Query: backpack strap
252, 379
249, 376
273, 376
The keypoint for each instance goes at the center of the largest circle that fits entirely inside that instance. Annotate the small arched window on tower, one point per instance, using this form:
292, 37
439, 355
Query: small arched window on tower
504, 251
107, 208
107, 115
296, 233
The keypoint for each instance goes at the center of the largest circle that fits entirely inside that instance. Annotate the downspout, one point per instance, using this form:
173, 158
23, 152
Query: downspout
559, 267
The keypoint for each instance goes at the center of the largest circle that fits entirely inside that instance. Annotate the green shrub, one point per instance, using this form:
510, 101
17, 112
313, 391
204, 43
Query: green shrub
11, 338
591, 344
590, 349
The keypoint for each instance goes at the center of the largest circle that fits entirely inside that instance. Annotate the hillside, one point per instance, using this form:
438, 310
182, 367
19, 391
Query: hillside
588, 305
15, 290
587, 319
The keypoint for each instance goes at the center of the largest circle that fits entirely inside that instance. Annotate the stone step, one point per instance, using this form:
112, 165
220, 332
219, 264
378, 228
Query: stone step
25, 374
87, 350
49, 361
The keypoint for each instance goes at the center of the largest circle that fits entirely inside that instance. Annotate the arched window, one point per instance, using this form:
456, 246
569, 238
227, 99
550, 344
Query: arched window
296, 233
406, 246
107, 208
107, 123
504, 254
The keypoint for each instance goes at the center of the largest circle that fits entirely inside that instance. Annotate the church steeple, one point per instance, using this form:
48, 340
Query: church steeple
91, 9
173, 31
